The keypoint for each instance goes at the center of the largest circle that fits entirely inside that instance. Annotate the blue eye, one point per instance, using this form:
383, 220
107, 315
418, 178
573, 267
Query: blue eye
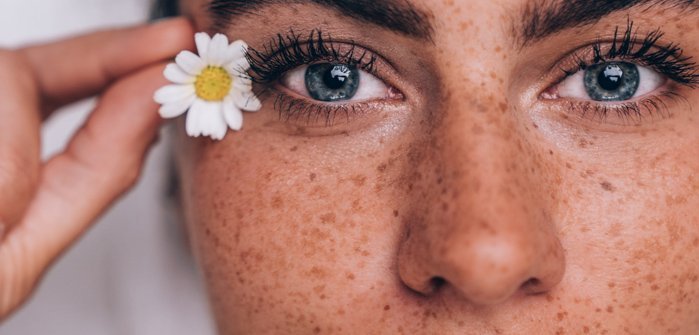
332, 82
335, 82
610, 82
613, 81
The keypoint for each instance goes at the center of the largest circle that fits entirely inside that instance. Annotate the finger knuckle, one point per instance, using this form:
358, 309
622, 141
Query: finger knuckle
18, 175
15, 63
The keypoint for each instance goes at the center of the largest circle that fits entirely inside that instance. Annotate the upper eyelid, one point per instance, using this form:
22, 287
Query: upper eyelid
314, 47
683, 68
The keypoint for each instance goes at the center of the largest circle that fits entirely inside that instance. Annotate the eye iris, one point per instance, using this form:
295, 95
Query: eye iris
332, 82
613, 81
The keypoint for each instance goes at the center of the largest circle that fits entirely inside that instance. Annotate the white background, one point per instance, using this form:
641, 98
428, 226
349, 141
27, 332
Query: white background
132, 273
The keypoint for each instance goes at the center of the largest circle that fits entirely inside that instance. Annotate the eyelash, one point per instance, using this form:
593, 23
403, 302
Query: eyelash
667, 60
286, 52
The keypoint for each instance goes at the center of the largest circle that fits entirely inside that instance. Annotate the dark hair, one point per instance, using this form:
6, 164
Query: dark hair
165, 8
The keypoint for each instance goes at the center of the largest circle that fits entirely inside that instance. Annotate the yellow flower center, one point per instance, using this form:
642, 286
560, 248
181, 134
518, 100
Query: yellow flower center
213, 83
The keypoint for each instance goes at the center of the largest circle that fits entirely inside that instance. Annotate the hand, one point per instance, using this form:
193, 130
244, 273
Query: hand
46, 206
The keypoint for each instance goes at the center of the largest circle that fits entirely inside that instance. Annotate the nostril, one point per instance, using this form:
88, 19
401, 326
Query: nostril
436, 283
532, 286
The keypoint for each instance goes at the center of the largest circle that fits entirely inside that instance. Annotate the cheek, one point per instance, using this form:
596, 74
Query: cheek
278, 222
630, 226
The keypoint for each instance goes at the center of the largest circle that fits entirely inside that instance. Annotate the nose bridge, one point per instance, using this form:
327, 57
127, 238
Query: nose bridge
486, 232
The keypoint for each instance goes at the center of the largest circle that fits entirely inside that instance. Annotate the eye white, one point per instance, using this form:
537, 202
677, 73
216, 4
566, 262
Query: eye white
370, 87
574, 86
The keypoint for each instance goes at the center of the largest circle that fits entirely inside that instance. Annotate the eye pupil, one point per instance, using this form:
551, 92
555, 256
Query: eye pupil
612, 81
332, 82
611, 78
336, 77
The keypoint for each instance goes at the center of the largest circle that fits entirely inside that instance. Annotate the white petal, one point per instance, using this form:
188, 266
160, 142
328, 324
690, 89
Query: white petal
190, 63
202, 40
203, 124
172, 93
246, 101
176, 75
237, 50
194, 118
233, 115
221, 127
243, 84
175, 109
218, 49
238, 67
211, 122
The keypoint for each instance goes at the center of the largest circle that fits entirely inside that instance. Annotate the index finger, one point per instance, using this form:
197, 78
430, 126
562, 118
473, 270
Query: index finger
80, 67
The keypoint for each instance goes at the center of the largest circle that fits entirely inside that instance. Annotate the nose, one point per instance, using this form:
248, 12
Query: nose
479, 223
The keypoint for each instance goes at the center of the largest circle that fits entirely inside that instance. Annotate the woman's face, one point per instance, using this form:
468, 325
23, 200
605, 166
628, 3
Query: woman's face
476, 167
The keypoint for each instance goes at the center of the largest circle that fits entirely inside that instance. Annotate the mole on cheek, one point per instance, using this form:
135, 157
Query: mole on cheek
607, 186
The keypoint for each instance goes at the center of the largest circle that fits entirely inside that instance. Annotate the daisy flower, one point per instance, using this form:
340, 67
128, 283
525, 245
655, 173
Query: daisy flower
213, 86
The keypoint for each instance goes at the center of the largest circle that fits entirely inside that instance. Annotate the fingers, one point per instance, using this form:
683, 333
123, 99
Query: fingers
80, 67
102, 161
19, 138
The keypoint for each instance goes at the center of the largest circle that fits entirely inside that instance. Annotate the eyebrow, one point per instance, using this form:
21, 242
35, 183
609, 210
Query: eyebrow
395, 15
542, 18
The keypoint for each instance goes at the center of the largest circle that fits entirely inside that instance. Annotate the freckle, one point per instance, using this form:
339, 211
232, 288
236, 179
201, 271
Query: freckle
328, 218
560, 316
359, 180
586, 330
350, 276
277, 202
611, 285
312, 176
583, 143
610, 309
503, 107
387, 307
293, 149
356, 205
607, 186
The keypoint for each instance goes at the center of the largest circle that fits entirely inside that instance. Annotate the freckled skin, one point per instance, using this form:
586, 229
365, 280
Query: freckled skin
476, 211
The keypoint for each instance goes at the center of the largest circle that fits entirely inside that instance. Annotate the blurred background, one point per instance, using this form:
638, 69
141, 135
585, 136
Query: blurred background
131, 273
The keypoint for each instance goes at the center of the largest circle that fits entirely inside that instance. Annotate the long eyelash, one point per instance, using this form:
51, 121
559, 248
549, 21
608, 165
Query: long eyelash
311, 113
630, 112
668, 59
285, 53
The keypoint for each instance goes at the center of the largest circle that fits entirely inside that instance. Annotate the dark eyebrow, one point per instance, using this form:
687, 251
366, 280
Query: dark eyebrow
542, 18
396, 15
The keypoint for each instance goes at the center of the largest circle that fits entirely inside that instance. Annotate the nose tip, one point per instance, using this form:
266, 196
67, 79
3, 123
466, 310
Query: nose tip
496, 270
488, 271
